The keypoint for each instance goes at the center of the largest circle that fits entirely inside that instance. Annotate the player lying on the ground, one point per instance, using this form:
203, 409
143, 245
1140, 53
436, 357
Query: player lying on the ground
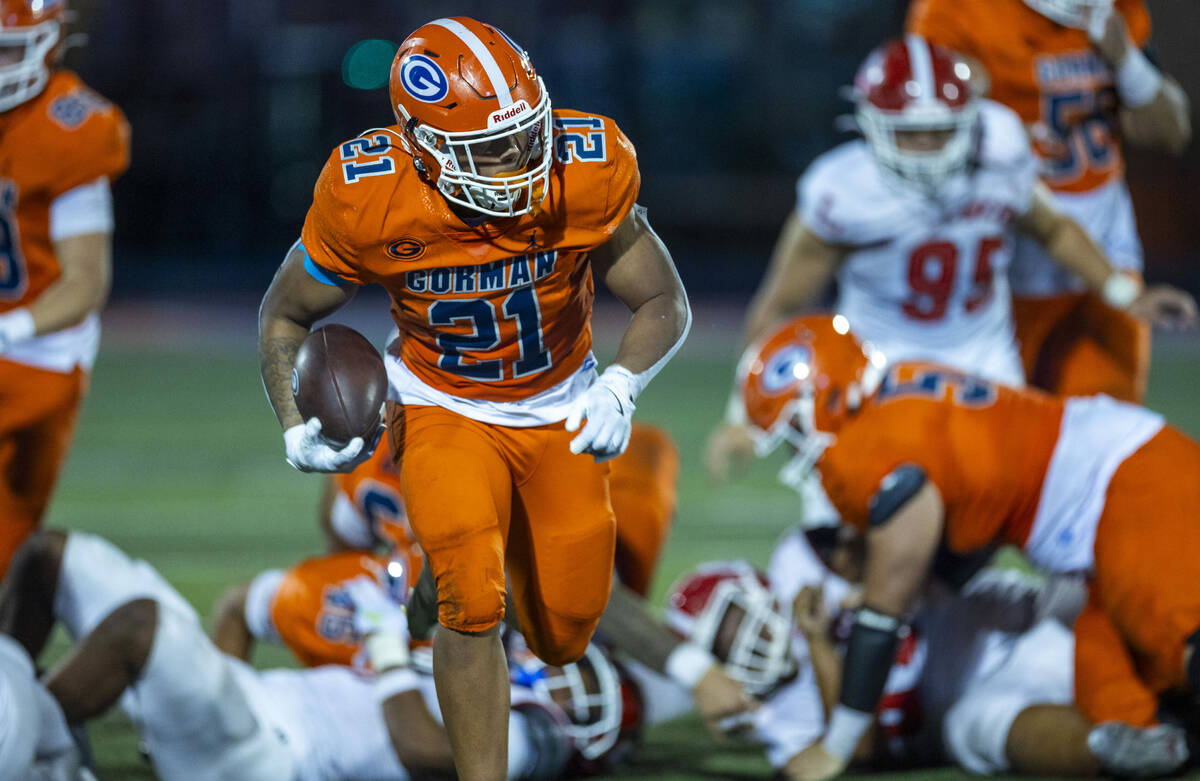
35, 743
306, 609
918, 222
1080, 74
917, 457
203, 714
983, 680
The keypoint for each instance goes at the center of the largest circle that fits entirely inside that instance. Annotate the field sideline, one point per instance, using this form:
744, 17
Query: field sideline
178, 460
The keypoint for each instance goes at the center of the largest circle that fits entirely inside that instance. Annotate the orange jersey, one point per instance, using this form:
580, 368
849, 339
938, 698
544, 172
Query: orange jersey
311, 613
1047, 73
65, 137
497, 312
986, 447
369, 509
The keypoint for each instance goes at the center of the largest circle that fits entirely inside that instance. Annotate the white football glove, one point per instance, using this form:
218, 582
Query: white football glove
308, 451
381, 621
15, 326
608, 408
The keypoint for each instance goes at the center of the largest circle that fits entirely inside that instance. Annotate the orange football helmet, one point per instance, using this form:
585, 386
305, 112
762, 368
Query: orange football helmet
30, 32
475, 116
799, 384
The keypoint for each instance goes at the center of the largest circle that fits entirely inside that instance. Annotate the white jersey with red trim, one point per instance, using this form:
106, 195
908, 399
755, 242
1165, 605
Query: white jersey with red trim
926, 278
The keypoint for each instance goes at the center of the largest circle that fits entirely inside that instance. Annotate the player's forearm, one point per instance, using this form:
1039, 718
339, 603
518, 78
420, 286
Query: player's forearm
1163, 123
1071, 246
82, 287
628, 626
827, 669
658, 326
278, 342
420, 743
230, 633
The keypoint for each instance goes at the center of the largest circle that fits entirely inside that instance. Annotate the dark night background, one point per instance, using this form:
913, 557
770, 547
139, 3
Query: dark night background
235, 105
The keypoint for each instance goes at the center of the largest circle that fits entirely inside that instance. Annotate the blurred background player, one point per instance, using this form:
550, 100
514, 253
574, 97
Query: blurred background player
918, 221
1080, 485
1077, 74
206, 715
472, 190
62, 146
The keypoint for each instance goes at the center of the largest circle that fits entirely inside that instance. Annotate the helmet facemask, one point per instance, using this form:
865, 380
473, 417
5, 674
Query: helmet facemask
23, 55
923, 169
1072, 13
744, 626
515, 151
589, 692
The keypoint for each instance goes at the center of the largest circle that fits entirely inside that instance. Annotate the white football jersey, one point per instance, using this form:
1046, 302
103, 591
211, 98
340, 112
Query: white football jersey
926, 278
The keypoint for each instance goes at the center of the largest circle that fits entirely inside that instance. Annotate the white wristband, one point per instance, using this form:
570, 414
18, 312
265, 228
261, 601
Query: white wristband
735, 409
1120, 290
386, 650
16, 326
395, 681
845, 730
687, 664
1138, 81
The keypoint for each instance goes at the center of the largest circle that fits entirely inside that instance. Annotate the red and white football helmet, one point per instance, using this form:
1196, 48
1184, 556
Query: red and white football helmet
603, 702
909, 85
1073, 13
800, 382
30, 32
467, 98
726, 608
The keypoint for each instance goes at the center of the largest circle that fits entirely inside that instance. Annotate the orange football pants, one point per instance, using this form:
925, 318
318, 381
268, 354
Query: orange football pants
643, 489
482, 497
38, 409
1143, 602
1077, 345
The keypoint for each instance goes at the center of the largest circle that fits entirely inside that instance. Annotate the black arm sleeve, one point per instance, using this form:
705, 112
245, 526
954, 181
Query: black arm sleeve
870, 653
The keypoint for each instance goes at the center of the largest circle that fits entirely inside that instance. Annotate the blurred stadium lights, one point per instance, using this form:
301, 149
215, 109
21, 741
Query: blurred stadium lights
367, 63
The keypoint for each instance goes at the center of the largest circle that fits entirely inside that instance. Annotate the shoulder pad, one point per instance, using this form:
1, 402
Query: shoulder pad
900, 485
843, 199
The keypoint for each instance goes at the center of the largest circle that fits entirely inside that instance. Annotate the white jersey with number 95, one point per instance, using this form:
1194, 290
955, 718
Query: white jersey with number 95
926, 277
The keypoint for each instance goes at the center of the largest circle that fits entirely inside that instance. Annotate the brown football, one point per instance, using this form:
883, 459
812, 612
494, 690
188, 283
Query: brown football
339, 377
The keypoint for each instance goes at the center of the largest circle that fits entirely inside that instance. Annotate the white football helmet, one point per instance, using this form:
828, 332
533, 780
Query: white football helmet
30, 31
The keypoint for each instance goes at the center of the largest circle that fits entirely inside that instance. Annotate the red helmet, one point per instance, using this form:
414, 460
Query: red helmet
602, 701
34, 27
799, 383
908, 85
468, 98
758, 653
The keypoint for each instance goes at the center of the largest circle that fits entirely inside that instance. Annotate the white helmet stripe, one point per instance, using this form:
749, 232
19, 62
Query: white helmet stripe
920, 60
480, 50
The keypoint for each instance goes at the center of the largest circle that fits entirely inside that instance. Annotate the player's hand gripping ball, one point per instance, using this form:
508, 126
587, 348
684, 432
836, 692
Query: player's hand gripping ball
339, 384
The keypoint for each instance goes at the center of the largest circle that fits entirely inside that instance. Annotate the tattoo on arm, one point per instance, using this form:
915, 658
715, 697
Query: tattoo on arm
277, 357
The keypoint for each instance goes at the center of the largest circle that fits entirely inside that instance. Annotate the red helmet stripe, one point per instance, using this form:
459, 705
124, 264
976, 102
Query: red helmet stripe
480, 50
920, 60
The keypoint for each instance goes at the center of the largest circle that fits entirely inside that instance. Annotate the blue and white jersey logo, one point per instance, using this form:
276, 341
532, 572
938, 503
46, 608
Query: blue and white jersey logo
785, 368
423, 79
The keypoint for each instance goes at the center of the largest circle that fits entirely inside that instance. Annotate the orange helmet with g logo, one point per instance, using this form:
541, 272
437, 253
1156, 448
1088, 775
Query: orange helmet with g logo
475, 115
31, 30
801, 381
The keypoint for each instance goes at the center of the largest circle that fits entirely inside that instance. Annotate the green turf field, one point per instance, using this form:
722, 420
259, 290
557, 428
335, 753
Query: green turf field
178, 460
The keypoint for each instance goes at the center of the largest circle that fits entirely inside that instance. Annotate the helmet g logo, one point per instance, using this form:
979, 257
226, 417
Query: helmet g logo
785, 368
423, 79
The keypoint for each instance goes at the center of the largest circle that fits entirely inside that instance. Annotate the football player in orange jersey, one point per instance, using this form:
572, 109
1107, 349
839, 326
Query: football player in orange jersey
63, 145
483, 214
1075, 72
1080, 485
